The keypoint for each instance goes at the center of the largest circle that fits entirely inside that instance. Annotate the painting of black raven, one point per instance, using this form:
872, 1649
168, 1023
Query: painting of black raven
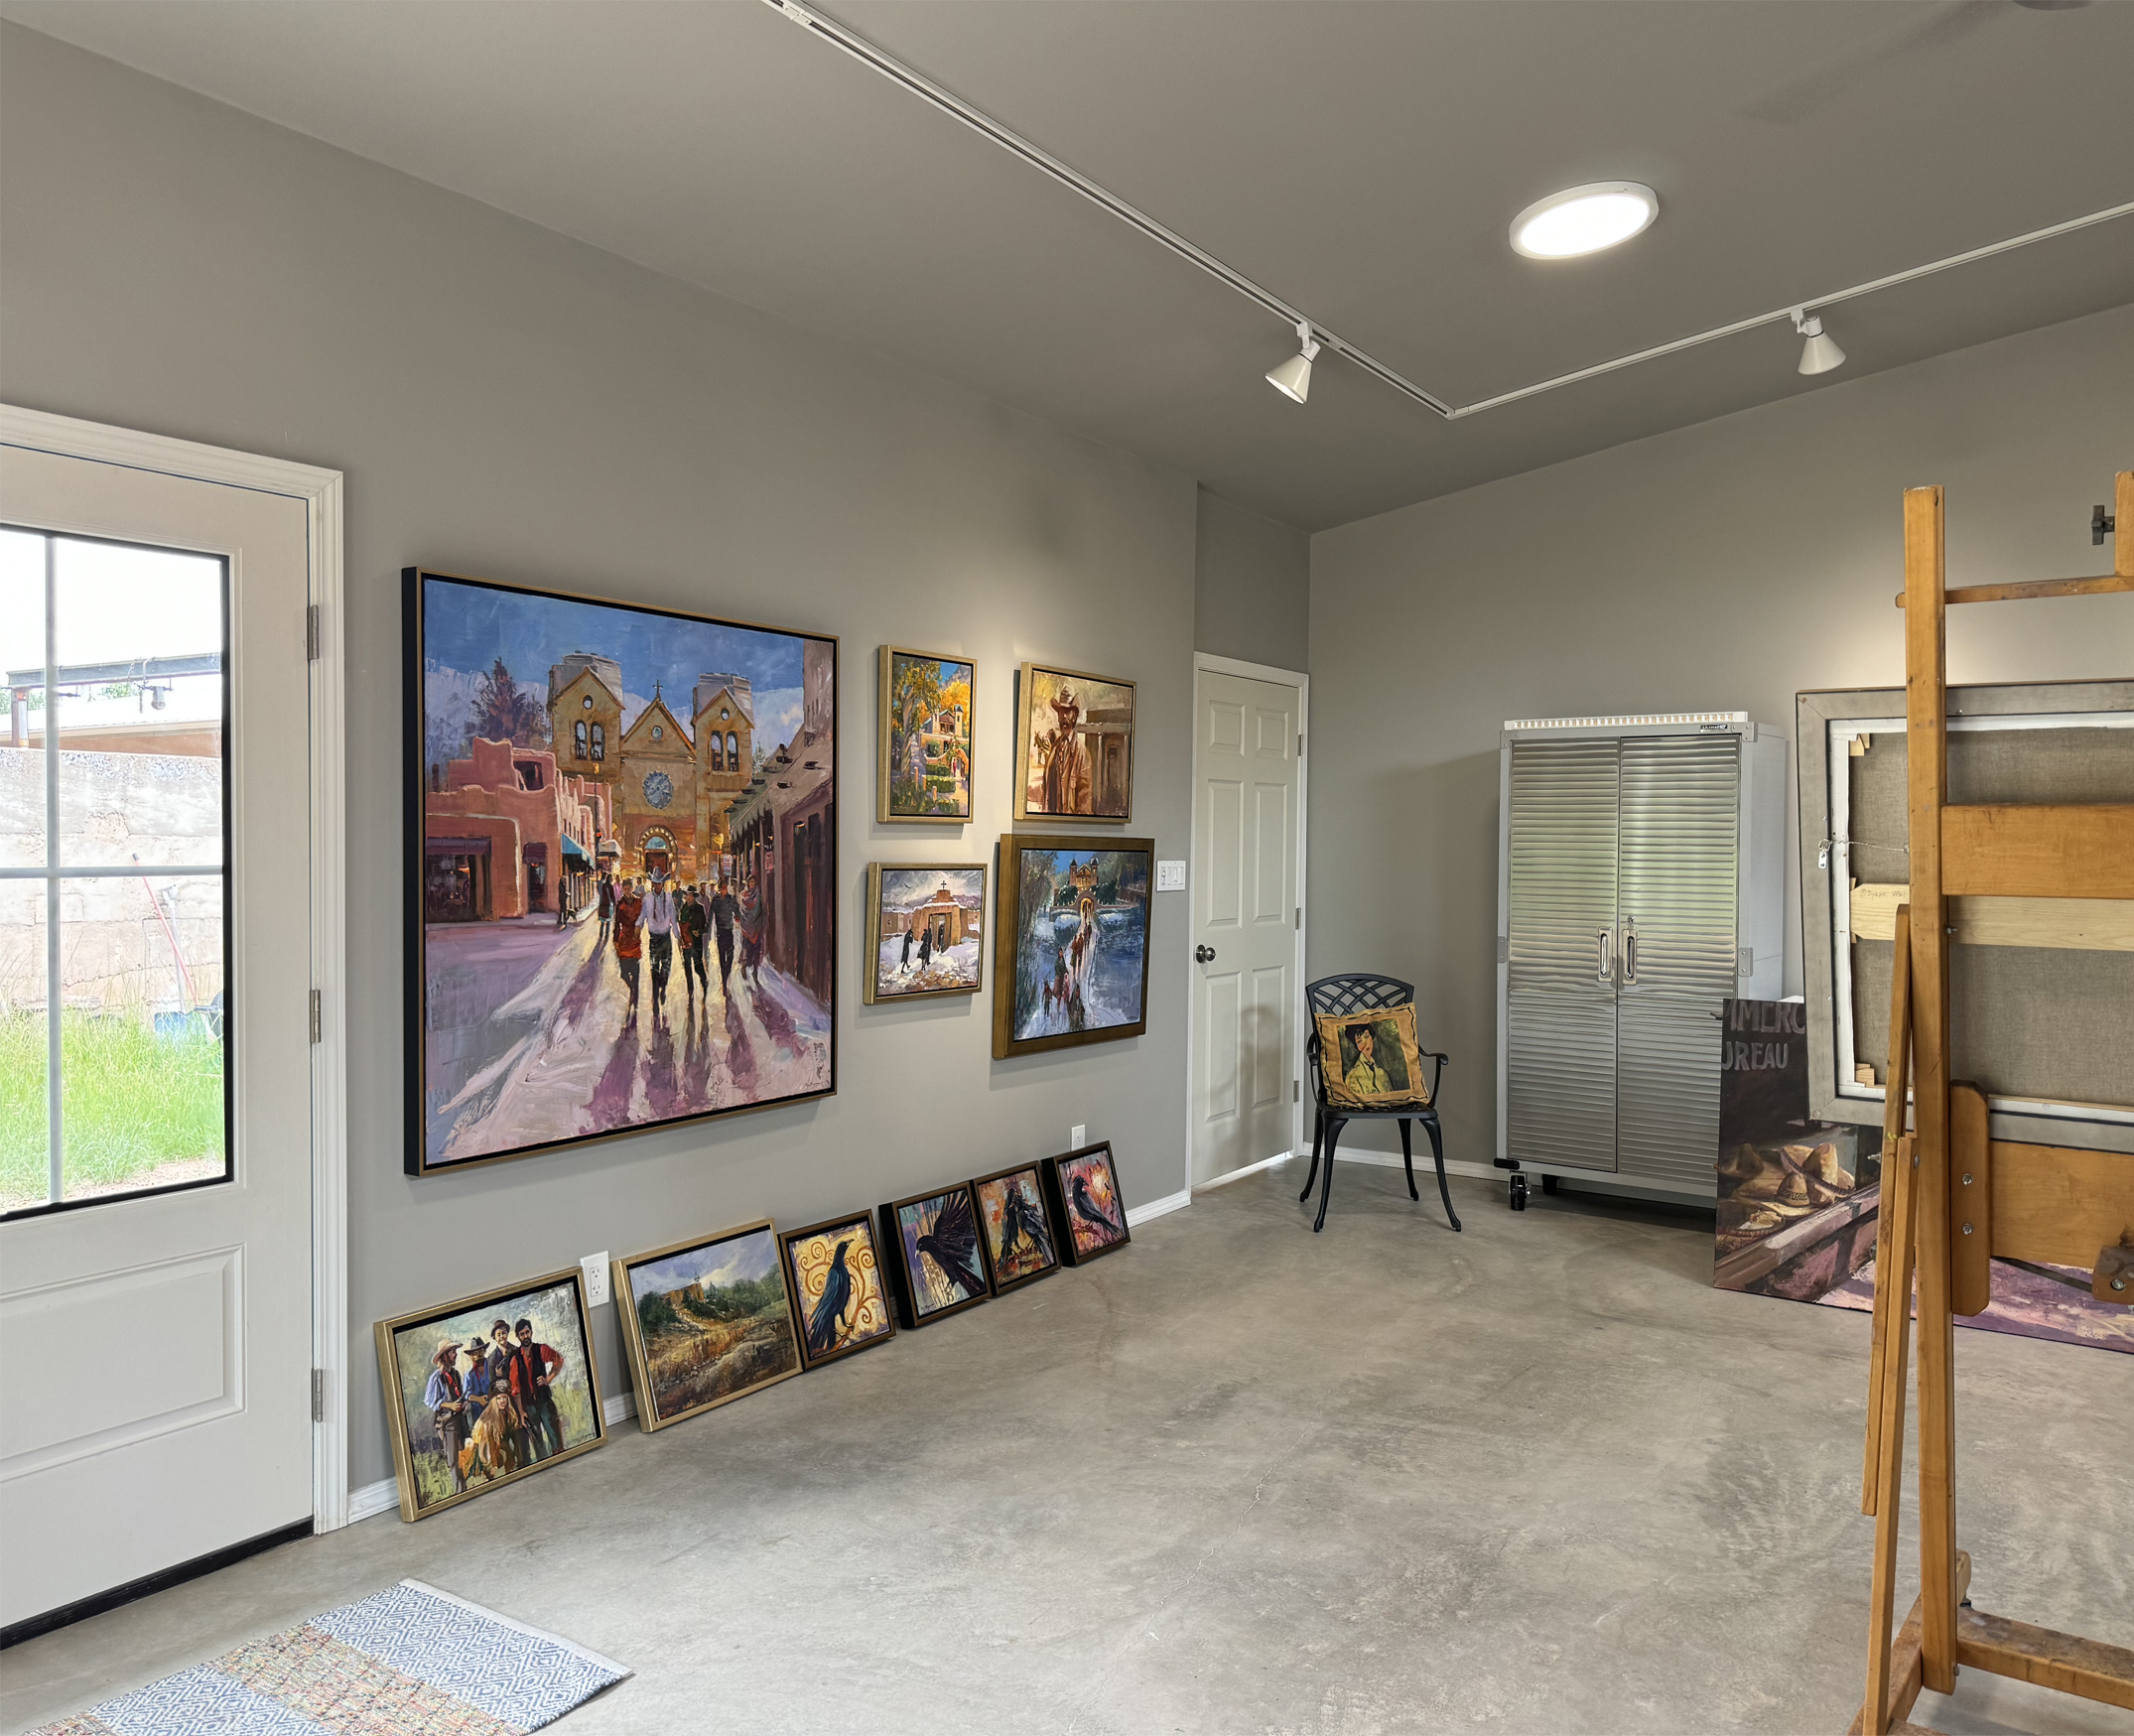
838, 1287
942, 1268
1016, 1227
1085, 1194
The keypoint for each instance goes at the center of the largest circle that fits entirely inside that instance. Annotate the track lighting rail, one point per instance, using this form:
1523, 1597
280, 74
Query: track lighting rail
918, 85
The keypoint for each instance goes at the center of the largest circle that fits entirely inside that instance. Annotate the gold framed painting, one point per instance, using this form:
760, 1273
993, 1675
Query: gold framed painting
924, 736
706, 1321
489, 1388
1074, 746
838, 1287
1070, 941
925, 930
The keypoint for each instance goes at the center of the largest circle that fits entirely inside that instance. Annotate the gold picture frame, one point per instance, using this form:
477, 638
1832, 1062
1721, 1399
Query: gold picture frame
942, 922
705, 1334
945, 754
407, 1369
1093, 781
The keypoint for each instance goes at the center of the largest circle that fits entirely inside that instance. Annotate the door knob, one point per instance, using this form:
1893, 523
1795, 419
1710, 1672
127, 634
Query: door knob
1204, 954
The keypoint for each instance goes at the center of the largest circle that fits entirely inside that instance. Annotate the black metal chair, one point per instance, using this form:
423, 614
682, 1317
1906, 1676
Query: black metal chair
1362, 992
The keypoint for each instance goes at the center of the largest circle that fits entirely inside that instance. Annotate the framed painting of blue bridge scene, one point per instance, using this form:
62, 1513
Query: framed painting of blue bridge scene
621, 867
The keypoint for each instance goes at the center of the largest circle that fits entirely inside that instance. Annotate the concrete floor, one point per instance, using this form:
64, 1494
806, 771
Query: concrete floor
1238, 1478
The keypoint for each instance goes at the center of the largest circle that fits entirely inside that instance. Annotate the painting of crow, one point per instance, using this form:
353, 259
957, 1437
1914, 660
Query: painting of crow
837, 1282
1018, 1235
942, 1268
1093, 1217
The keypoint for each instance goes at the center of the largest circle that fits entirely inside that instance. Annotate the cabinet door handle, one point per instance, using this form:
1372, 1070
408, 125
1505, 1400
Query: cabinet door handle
1630, 957
1600, 974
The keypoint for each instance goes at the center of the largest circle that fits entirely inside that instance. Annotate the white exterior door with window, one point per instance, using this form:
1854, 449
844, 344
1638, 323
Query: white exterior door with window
1248, 789
155, 1168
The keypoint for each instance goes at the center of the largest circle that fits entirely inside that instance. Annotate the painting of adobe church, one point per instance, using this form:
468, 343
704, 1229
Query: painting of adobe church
621, 827
1074, 746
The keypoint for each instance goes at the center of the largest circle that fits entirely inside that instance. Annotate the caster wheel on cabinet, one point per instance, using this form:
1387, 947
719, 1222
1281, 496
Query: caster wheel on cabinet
1519, 1193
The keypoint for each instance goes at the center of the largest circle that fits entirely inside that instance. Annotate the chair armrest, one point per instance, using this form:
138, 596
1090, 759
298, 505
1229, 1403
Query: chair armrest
1437, 1072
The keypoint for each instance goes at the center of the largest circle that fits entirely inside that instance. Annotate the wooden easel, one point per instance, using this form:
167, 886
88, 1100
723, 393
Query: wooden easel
1953, 1195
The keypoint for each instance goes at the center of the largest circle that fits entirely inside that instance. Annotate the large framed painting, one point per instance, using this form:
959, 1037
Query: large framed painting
1070, 942
925, 731
1092, 1213
925, 930
838, 1287
706, 1321
620, 869
934, 1256
1074, 746
1014, 1228
489, 1388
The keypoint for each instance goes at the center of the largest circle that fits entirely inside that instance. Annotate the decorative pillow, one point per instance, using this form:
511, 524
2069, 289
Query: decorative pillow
1372, 1060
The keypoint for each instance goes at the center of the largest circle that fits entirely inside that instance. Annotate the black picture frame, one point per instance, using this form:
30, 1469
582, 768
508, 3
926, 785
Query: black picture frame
1060, 1194
780, 866
1048, 1221
796, 1283
913, 1287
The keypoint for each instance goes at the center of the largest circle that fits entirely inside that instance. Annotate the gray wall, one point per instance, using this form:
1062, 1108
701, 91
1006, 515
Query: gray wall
1724, 566
508, 403
1252, 586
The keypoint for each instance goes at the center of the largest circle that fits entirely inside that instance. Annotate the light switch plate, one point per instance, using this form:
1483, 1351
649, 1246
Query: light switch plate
596, 1265
1076, 1136
1170, 877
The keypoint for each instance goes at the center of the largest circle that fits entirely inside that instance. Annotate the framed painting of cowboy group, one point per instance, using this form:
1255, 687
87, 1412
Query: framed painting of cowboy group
621, 867
489, 1388
1074, 746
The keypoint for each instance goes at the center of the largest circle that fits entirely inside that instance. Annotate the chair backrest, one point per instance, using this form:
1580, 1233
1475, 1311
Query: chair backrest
1359, 991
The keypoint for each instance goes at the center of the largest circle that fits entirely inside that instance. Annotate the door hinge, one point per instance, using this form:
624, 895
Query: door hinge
1296, 1090
1300, 919
318, 1017
317, 1394
1300, 744
311, 632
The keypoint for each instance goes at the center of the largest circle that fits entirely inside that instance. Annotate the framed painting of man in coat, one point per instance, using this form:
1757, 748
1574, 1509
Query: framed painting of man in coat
1074, 746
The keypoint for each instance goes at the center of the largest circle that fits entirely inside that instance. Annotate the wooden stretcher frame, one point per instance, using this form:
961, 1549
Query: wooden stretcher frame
1953, 1195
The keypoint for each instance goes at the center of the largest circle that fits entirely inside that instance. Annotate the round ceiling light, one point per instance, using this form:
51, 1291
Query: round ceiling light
1584, 219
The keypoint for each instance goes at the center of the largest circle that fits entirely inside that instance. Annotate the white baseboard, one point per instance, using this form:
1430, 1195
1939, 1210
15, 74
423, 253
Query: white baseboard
379, 1497
1171, 1202
1392, 1160
1230, 1175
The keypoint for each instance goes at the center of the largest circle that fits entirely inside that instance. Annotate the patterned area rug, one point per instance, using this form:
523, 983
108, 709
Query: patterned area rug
410, 1662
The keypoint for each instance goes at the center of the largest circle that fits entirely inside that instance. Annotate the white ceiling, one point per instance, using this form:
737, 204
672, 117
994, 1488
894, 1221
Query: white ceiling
1361, 160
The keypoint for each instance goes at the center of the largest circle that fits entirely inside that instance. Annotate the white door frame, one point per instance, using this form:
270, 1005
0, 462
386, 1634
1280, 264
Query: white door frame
1208, 662
319, 492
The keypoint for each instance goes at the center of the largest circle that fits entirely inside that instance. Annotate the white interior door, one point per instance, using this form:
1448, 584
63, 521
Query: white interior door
1246, 995
154, 1160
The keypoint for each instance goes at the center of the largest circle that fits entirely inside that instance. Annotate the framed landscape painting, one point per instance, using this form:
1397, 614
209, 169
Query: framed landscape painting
489, 1388
934, 1252
925, 930
1020, 1245
620, 868
1074, 746
925, 733
1070, 942
706, 1321
1092, 1212
840, 1290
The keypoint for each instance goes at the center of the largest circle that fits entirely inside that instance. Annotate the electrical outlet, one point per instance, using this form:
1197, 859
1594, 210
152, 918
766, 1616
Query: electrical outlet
596, 1265
1170, 877
1076, 1136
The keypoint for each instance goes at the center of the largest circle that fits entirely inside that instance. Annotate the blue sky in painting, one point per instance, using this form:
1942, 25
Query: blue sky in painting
722, 1263
468, 626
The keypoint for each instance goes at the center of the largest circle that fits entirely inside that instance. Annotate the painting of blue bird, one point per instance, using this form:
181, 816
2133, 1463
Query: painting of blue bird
837, 1287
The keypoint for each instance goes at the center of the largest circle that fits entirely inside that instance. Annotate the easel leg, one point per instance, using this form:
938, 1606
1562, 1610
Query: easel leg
1893, 1288
1896, 1074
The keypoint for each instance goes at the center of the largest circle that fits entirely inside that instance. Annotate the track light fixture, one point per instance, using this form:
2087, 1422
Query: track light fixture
1293, 378
1819, 354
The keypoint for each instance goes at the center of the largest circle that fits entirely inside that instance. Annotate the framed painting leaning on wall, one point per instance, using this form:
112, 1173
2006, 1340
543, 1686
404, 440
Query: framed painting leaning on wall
489, 1388
706, 1321
620, 868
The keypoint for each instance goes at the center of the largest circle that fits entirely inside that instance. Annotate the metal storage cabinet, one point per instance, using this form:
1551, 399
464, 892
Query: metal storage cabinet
1640, 876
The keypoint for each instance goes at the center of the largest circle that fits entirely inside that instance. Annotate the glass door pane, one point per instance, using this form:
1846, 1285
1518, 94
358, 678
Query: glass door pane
117, 726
